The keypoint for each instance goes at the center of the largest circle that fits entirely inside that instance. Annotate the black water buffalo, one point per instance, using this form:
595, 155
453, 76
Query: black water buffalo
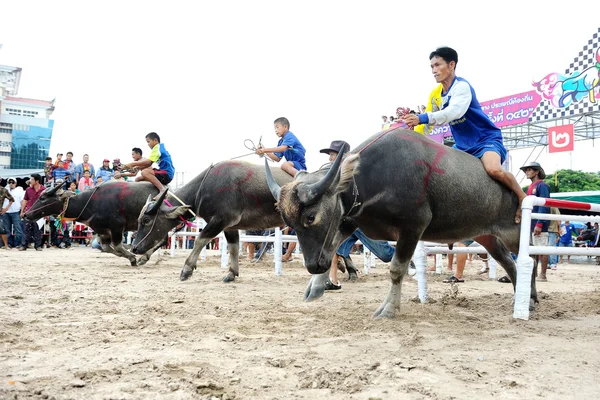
109, 209
400, 185
230, 195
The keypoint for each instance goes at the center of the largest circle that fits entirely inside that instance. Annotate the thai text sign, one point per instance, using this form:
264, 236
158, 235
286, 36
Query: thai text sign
561, 138
511, 110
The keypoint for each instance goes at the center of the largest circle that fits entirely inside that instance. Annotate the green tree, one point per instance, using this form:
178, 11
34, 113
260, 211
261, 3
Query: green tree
567, 180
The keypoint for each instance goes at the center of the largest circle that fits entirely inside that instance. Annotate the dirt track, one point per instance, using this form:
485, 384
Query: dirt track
80, 324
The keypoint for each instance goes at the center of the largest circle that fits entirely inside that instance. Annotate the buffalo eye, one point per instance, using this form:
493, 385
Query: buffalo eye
310, 219
146, 220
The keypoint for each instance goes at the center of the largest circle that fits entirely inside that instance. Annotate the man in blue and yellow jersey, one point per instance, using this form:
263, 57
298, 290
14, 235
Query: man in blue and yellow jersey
472, 130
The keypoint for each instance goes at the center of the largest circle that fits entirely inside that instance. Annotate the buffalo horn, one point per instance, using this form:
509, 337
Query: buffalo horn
153, 208
273, 185
317, 189
53, 190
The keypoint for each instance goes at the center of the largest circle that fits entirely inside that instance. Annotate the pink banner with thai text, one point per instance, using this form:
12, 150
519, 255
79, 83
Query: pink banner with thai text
511, 110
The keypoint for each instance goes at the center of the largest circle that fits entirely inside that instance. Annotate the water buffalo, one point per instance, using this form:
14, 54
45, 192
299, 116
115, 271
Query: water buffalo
109, 209
399, 185
230, 195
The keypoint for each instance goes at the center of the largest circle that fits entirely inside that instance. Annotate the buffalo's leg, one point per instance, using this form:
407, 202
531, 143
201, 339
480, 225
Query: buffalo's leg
233, 245
405, 247
501, 254
108, 245
210, 231
117, 244
352, 271
146, 256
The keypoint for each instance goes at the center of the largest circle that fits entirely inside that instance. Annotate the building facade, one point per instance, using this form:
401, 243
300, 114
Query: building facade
25, 125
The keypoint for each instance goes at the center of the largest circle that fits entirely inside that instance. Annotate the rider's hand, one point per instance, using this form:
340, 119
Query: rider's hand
411, 120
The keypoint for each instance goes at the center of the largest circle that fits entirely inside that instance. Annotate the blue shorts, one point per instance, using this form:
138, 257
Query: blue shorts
480, 149
299, 166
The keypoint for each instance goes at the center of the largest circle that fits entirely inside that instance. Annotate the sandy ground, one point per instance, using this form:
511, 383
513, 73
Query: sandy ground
80, 324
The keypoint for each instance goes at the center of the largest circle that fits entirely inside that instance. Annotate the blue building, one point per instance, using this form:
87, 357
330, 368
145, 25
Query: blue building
25, 125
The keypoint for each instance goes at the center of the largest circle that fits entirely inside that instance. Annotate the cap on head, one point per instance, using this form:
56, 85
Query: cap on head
336, 146
11, 180
535, 166
106, 160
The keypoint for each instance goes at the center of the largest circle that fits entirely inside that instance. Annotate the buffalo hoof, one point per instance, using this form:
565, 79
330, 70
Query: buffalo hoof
185, 274
141, 261
352, 276
313, 293
133, 263
229, 278
532, 304
385, 311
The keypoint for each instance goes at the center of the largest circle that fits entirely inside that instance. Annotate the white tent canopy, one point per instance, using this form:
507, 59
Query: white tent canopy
19, 173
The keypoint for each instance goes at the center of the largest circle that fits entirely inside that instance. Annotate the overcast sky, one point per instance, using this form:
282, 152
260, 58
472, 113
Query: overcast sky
206, 75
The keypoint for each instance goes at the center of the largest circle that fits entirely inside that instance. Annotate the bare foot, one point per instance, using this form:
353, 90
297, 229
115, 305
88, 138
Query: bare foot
518, 215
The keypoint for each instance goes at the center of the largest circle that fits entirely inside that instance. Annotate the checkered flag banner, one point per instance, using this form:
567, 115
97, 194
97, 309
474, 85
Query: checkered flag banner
577, 91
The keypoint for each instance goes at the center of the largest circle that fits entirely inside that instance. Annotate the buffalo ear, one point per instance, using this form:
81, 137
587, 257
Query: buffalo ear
348, 170
51, 191
176, 212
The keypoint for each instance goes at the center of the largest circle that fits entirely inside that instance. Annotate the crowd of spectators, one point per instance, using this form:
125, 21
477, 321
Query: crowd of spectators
17, 195
85, 175
400, 112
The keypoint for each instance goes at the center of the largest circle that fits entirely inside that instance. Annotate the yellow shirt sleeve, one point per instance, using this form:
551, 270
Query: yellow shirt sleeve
435, 99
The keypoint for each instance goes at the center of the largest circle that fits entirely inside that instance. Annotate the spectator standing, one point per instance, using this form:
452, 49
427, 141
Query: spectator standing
539, 228
12, 217
69, 165
86, 181
553, 238
566, 238
84, 166
58, 158
6, 201
31, 230
117, 166
105, 171
48, 168
384, 119
60, 173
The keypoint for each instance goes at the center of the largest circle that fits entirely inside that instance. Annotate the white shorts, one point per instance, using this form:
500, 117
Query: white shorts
540, 240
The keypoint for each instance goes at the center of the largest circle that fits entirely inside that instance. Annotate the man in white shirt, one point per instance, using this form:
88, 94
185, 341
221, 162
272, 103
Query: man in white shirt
12, 218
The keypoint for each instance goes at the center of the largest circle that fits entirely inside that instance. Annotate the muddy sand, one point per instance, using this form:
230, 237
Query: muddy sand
81, 324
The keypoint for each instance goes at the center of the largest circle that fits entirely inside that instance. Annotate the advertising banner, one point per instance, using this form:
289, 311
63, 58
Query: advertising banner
561, 138
511, 110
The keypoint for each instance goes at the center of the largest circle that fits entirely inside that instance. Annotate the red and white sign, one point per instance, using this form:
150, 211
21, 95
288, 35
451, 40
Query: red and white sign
560, 138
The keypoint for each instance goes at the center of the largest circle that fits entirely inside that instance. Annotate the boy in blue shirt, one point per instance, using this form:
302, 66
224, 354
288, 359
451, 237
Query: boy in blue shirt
288, 146
60, 172
157, 176
566, 238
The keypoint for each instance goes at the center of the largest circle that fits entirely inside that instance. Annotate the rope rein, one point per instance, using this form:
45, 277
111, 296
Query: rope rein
249, 144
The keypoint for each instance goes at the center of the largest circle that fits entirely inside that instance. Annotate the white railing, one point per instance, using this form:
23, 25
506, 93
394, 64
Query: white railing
524, 261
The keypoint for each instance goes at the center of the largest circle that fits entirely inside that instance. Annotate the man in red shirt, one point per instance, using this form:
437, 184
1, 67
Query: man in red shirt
31, 230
